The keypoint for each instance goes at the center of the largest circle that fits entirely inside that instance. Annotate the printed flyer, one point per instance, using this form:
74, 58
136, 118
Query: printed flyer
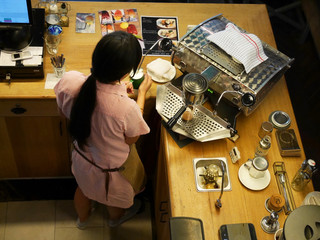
121, 20
85, 23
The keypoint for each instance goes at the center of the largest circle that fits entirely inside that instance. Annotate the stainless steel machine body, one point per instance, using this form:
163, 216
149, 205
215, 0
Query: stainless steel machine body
194, 53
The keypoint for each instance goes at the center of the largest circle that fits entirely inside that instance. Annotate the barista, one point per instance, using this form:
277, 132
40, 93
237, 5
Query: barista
105, 124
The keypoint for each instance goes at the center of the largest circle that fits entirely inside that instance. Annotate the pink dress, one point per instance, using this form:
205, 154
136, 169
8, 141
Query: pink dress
115, 116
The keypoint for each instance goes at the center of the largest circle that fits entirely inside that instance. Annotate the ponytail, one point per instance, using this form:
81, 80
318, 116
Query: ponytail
81, 112
115, 55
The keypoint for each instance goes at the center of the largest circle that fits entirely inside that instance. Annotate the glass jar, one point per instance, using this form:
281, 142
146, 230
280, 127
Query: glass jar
64, 20
53, 38
263, 147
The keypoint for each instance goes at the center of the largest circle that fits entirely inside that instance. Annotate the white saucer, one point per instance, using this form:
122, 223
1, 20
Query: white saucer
171, 72
253, 183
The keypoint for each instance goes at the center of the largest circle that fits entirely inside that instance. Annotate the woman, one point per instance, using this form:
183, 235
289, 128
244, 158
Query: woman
105, 123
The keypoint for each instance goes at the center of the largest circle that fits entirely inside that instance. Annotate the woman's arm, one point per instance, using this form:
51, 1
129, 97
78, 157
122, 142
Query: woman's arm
131, 140
143, 89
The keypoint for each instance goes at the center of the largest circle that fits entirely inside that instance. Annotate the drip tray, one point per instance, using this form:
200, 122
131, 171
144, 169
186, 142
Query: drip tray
200, 165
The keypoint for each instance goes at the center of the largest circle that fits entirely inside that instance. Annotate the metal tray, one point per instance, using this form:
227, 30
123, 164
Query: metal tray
204, 127
199, 163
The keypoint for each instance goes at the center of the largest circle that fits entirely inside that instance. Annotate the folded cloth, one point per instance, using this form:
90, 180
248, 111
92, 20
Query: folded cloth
246, 48
160, 69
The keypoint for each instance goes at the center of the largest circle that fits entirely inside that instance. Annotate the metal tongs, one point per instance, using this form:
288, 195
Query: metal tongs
218, 203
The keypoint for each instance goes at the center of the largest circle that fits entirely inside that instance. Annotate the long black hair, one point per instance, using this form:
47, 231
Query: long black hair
115, 55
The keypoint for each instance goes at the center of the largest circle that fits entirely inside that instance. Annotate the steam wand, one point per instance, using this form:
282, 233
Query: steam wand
215, 112
165, 44
218, 203
247, 99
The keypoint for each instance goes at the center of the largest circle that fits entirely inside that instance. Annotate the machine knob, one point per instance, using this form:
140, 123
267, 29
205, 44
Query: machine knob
236, 87
248, 99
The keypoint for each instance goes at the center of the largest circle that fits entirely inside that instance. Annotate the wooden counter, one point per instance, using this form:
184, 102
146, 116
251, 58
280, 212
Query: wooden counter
240, 204
78, 47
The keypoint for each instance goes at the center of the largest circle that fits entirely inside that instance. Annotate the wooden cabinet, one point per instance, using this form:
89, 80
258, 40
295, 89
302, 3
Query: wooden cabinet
162, 198
34, 139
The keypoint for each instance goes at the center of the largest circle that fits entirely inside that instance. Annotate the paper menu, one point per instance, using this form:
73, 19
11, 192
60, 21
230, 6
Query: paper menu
155, 28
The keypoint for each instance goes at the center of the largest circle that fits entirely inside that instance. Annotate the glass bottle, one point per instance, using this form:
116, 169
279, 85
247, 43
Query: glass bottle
45, 5
263, 147
304, 175
53, 6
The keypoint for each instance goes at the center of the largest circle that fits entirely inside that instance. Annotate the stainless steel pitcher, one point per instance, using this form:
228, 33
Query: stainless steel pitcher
193, 87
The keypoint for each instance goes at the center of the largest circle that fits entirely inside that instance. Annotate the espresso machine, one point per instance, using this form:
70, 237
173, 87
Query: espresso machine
231, 90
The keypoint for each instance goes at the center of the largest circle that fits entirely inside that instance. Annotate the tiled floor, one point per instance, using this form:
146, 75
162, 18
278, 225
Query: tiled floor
55, 219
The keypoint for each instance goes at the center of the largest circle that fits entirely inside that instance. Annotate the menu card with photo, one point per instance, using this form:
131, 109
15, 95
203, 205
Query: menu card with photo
85, 23
121, 20
154, 28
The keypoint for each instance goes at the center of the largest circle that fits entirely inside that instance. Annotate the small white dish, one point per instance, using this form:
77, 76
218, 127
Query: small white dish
166, 23
253, 183
167, 33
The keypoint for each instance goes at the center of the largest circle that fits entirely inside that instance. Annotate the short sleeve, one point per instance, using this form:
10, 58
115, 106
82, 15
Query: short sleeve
67, 89
135, 125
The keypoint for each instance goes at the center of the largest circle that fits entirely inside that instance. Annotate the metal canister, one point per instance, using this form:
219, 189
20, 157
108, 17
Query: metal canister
194, 85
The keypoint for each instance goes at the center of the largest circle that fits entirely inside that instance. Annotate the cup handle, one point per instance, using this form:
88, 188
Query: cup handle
248, 164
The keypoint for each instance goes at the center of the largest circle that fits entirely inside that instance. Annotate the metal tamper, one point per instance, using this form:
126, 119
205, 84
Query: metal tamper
270, 224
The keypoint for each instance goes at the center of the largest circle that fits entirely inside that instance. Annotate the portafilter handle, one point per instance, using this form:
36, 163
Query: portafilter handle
172, 121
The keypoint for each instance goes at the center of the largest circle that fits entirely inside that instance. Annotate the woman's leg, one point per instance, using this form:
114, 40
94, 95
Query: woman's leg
82, 205
119, 215
115, 213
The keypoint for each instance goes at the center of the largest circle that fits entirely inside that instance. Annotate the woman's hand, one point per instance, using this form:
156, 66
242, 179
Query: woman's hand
129, 87
146, 84
143, 89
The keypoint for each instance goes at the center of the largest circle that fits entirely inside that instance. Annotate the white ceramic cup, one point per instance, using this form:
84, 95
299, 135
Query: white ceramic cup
257, 167
137, 78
